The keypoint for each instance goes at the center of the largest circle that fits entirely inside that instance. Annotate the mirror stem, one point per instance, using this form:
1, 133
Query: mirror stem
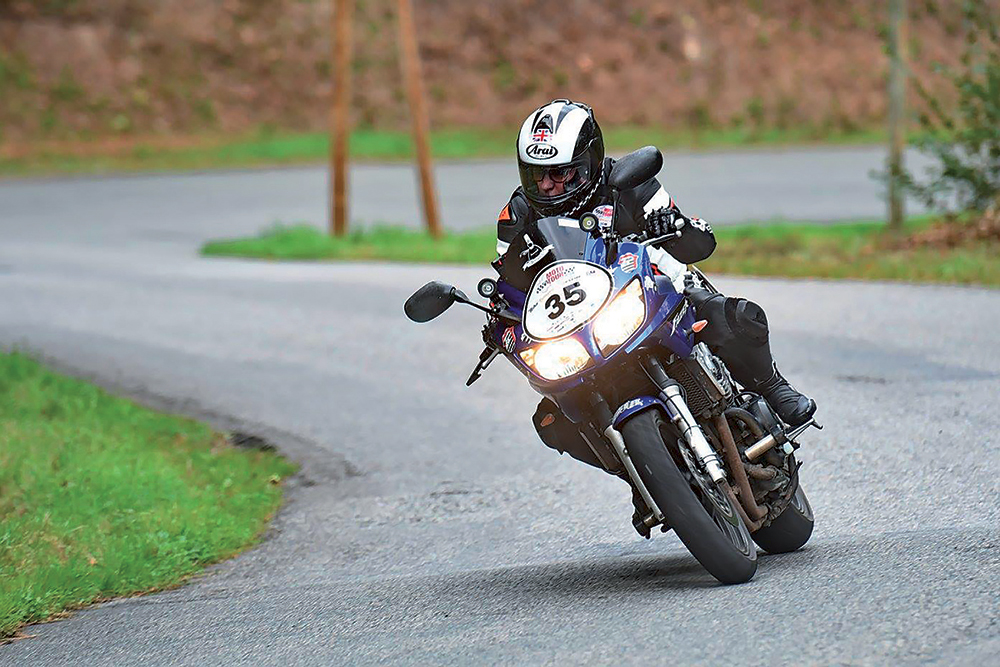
461, 298
505, 313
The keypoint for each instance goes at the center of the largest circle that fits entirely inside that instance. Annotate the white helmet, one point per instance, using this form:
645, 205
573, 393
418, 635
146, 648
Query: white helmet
560, 144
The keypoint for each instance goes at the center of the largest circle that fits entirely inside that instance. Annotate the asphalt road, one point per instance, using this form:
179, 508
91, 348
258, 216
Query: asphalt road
430, 526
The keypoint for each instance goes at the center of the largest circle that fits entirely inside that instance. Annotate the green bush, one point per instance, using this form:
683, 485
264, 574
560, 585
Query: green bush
964, 139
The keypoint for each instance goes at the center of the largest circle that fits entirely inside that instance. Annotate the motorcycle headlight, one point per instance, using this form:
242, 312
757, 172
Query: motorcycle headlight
557, 359
621, 317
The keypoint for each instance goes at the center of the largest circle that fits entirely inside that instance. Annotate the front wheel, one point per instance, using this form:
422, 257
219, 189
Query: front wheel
791, 529
694, 506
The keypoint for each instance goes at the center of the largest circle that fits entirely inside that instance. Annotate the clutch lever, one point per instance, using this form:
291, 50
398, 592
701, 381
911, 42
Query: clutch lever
661, 239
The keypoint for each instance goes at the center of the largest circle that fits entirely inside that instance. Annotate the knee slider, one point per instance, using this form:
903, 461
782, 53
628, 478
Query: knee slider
747, 320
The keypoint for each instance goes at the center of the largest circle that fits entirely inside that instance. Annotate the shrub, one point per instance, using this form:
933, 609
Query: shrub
964, 139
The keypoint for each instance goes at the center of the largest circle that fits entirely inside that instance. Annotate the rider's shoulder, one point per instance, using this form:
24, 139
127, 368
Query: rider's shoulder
517, 210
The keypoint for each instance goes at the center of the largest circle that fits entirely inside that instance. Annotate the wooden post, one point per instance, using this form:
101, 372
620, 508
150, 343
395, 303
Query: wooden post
897, 110
340, 126
410, 62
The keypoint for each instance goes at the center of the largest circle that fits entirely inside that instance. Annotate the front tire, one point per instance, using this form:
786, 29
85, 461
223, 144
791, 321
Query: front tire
696, 508
791, 529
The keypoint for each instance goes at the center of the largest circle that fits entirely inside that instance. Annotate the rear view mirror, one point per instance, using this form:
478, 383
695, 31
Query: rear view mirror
636, 168
430, 301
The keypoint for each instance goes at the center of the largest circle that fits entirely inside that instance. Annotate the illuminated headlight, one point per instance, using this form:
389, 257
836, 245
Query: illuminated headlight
557, 359
621, 317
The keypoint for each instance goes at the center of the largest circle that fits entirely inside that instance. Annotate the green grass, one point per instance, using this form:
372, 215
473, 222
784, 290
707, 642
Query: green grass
100, 497
394, 244
860, 250
268, 148
846, 250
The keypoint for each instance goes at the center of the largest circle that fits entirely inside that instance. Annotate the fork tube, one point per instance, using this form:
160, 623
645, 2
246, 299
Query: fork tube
671, 394
603, 413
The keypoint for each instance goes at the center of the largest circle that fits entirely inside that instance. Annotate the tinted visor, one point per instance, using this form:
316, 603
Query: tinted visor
555, 182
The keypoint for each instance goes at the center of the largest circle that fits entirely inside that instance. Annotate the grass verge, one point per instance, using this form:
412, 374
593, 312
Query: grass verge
847, 250
100, 497
394, 244
269, 148
860, 250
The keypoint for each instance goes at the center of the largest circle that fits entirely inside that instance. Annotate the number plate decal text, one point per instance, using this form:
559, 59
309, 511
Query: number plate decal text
564, 297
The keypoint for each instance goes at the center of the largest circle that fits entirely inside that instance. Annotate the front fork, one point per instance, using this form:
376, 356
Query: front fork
606, 421
680, 414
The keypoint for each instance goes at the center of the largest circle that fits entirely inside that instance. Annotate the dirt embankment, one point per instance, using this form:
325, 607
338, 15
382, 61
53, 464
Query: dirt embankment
71, 68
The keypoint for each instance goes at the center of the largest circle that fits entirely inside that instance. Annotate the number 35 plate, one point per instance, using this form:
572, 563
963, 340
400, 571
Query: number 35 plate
564, 297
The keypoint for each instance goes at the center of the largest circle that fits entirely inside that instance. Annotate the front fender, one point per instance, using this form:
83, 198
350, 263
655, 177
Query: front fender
635, 406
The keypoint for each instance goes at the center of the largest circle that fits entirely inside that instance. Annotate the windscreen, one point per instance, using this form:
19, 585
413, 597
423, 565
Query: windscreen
553, 239
568, 241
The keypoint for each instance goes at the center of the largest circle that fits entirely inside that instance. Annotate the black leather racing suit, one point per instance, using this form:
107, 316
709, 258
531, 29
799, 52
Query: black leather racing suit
737, 330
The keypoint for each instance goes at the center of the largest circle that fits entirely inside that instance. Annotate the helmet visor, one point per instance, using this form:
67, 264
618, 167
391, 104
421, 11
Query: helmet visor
552, 183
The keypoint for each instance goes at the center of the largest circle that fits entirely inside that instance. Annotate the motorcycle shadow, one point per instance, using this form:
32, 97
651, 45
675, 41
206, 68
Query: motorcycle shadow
674, 570
677, 571
597, 577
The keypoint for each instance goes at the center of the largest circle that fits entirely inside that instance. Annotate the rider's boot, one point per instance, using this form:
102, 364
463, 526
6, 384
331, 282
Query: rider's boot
737, 331
793, 407
754, 368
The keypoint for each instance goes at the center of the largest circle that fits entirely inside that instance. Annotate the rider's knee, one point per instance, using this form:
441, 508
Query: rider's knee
747, 320
730, 319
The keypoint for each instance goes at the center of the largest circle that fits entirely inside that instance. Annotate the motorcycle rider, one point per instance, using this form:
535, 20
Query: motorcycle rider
562, 165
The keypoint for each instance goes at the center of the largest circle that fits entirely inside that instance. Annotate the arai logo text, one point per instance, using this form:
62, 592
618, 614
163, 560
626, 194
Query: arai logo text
541, 151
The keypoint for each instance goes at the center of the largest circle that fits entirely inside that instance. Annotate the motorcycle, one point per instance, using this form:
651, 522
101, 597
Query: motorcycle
583, 314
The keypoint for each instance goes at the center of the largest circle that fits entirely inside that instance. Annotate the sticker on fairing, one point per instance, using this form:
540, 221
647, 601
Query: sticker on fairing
605, 214
509, 339
681, 312
628, 262
564, 297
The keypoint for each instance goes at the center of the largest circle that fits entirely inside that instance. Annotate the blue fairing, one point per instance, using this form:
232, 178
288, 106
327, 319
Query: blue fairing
663, 305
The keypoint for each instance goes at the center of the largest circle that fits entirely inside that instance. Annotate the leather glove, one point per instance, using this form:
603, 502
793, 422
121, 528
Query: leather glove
662, 221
